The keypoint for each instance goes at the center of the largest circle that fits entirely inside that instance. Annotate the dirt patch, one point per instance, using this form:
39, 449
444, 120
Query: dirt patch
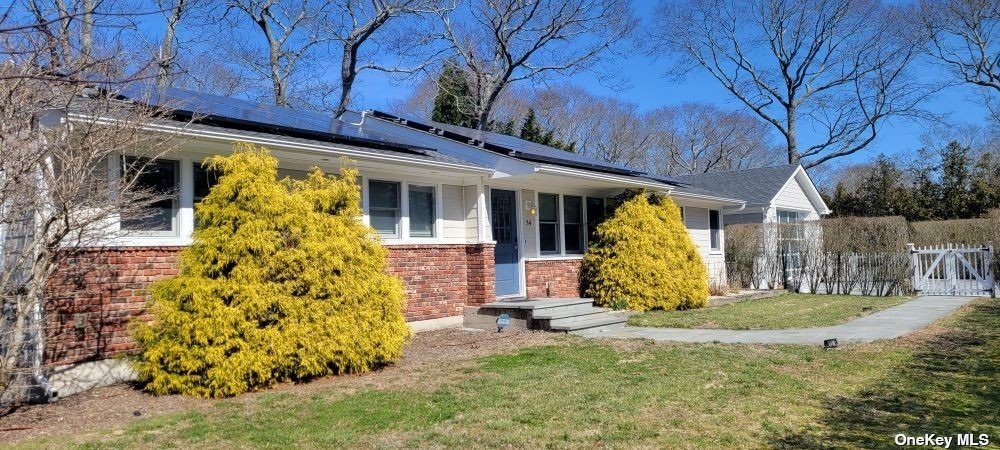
432, 358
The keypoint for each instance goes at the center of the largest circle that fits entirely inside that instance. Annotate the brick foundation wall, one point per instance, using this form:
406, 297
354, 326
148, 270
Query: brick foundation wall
94, 295
441, 279
555, 278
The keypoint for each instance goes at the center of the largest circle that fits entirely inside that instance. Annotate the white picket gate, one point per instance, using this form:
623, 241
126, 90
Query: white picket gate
953, 269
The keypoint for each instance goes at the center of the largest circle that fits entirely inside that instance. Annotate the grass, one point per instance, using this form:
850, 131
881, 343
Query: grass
784, 311
632, 394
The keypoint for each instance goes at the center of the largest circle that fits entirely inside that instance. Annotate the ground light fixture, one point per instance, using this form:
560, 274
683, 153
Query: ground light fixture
830, 343
502, 322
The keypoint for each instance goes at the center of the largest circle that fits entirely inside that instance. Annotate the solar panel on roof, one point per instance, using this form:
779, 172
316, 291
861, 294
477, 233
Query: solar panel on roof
523, 148
201, 104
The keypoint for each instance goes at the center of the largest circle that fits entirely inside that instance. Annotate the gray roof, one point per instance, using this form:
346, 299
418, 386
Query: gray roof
756, 186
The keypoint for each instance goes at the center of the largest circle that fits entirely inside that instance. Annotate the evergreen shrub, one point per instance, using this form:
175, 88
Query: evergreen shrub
642, 258
282, 282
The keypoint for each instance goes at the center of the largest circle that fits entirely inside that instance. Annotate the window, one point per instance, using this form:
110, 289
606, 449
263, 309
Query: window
715, 226
682, 215
155, 180
204, 181
422, 211
595, 215
383, 207
790, 232
573, 227
548, 223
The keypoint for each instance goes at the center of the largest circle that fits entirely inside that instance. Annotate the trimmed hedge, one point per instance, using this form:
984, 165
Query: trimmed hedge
282, 282
642, 258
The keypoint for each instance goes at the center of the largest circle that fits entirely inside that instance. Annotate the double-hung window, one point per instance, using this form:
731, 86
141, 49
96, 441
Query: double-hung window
715, 229
573, 223
423, 211
548, 223
158, 182
384, 207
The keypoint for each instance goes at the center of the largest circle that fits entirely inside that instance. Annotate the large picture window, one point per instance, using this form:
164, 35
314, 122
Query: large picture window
422, 211
156, 180
715, 228
573, 227
383, 207
548, 223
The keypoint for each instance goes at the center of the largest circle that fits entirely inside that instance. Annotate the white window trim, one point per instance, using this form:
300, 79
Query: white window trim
562, 255
404, 220
402, 223
183, 176
438, 212
538, 226
722, 243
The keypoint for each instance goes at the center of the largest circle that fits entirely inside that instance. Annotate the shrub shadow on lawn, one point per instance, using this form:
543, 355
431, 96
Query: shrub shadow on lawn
947, 388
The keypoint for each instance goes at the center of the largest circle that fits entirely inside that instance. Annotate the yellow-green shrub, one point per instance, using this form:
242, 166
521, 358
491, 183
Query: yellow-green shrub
642, 258
282, 282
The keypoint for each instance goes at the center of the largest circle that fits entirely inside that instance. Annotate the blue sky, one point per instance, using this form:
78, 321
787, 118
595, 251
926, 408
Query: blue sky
648, 87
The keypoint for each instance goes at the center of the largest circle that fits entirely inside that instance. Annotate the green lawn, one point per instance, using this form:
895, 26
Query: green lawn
631, 394
784, 311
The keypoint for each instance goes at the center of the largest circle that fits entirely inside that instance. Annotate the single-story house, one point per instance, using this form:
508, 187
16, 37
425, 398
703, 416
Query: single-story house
468, 217
782, 199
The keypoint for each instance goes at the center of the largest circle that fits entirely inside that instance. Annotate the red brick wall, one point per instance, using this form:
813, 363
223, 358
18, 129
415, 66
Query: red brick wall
93, 296
441, 279
556, 278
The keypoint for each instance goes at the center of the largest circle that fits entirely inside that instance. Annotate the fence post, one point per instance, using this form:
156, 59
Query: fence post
990, 275
915, 262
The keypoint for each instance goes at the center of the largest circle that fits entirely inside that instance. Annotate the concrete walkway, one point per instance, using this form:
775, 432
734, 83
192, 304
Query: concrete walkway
887, 324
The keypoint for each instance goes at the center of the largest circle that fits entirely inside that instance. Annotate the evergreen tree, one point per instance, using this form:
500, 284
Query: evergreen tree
642, 258
453, 102
985, 191
282, 282
531, 130
956, 170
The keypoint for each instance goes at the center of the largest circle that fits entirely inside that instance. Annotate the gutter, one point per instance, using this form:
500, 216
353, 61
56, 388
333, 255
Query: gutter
226, 137
557, 170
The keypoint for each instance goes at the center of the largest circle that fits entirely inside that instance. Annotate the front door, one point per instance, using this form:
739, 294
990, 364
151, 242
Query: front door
503, 207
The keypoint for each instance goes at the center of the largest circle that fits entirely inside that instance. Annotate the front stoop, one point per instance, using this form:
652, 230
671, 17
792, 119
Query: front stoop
550, 314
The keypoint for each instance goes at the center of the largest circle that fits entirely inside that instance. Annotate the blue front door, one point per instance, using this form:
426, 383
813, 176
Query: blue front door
504, 222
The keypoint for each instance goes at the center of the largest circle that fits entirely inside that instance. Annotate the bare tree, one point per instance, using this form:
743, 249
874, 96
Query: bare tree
361, 23
60, 135
292, 32
699, 138
964, 35
502, 42
840, 66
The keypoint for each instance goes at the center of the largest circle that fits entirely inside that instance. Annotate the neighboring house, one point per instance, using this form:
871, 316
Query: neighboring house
468, 217
778, 198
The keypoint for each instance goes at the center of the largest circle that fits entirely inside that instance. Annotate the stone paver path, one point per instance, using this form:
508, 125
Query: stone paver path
887, 324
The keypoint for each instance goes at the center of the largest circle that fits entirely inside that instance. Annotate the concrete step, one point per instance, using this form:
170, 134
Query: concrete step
566, 312
606, 319
539, 303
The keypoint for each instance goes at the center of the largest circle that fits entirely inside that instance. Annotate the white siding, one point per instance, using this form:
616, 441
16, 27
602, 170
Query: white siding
529, 242
454, 214
471, 195
697, 223
793, 198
